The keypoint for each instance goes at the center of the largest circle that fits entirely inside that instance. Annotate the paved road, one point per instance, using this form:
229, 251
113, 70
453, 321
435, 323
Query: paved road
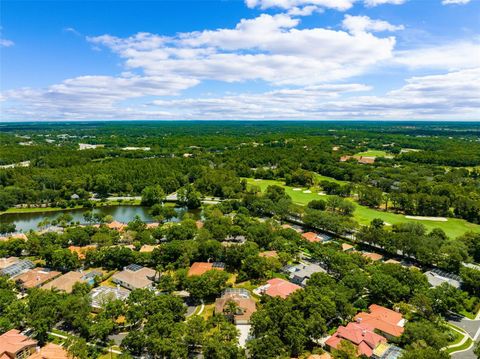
472, 327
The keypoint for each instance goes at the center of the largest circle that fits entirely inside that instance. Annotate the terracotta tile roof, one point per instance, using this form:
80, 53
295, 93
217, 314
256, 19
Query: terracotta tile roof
268, 254
372, 256
360, 335
50, 351
346, 247
137, 279
153, 225
119, 226
65, 282
246, 305
199, 268
311, 237
383, 319
147, 248
36, 277
12, 342
392, 261
320, 356
199, 224
280, 288
367, 160
82, 251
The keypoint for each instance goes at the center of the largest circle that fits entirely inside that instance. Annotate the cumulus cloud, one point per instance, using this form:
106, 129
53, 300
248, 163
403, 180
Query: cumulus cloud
451, 56
340, 5
269, 47
372, 3
446, 96
356, 24
6, 43
457, 2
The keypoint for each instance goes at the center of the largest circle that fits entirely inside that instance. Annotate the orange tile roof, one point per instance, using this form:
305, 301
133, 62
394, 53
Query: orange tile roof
268, 254
199, 224
199, 268
36, 277
280, 288
383, 319
320, 356
346, 247
372, 256
6, 262
119, 226
50, 351
153, 225
366, 160
247, 306
65, 282
311, 237
147, 248
13, 342
82, 251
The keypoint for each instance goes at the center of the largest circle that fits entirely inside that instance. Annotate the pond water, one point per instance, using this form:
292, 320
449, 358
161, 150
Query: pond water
27, 221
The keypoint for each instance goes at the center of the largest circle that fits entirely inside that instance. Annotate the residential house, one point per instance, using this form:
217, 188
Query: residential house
362, 337
103, 294
374, 257
437, 277
199, 268
387, 322
246, 306
116, 225
18, 266
268, 254
302, 272
50, 351
278, 287
347, 247
66, 281
311, 237
82, 251
7, 262
35, 277
135, 277
14, 345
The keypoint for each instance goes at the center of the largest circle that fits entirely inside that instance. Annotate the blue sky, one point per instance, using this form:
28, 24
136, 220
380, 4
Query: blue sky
253, 59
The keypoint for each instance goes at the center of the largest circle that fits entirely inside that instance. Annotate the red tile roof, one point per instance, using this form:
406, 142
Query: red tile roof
311, 237
383, 319
360, 335
199, 268
12, 342
372, 256
282, 288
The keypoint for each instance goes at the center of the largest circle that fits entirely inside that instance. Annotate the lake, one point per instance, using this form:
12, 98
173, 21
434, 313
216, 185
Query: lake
29, 221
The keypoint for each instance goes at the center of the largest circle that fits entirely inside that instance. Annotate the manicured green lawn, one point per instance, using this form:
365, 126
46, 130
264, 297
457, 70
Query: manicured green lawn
319, 178
364, 215
464, 346
372, 153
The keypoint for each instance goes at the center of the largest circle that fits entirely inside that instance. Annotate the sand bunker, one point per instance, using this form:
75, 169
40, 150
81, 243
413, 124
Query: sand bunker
422, 218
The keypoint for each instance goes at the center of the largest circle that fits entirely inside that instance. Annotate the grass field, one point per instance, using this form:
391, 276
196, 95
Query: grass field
453, 227
372, 153
318, 178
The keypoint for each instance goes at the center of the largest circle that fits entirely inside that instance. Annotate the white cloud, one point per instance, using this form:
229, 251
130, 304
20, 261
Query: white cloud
445, 96
340, 5
372, 3
451, 56
6, 43
268, 48
356, 24
304, 11
72, 30
457, 2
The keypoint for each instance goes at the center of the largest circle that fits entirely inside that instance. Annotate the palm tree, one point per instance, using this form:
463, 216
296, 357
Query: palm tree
231, 308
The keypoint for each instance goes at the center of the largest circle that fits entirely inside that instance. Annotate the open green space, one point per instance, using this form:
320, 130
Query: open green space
464, 346
318, 178
453, 227
372, 153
